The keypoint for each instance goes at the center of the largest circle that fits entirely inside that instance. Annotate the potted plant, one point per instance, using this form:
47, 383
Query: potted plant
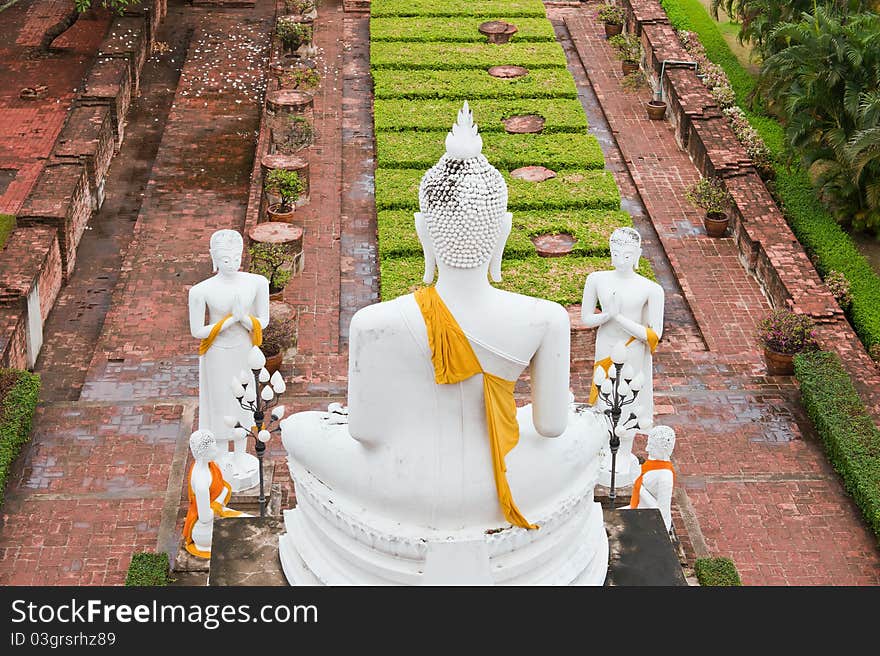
294, 32
613, 18
301, 7
656, 108
288, 186
275, 263
784, 334
298, 135
279, 336
628, 49
711, 196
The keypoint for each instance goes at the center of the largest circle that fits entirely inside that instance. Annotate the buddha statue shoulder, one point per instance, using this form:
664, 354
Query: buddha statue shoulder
434, 475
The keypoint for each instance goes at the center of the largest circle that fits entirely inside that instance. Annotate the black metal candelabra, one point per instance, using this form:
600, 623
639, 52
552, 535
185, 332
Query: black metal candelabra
261, 406
615, 400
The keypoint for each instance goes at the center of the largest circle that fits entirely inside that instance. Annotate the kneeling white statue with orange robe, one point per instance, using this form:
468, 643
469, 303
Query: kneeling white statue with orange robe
654, 485
434, 476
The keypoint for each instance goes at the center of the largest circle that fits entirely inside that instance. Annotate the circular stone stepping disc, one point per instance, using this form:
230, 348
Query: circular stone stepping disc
554, 245
533, 173
497, 31
508, 71
525, 124
276, 232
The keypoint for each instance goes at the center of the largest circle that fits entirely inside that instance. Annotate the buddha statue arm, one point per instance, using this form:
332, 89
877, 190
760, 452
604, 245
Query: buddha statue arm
260, 308
197, 326
589, 317
550, 375
365, 417
655, 317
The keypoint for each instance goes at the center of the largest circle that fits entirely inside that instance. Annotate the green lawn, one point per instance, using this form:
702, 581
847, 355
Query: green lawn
472, 84
7, 225
488, 8
454, 29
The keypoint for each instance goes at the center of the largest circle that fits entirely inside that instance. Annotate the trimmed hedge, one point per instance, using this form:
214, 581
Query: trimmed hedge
16, 415
559, 279
472, 84
454, 29
398, 189
7, 225
456, 56
148, 569
815, 228
560, 114
489, 8
851, 439
592, 228
716, 571
421, 150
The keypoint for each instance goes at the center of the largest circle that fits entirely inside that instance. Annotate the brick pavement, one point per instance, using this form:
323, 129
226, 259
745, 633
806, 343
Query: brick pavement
29, 127
754, 483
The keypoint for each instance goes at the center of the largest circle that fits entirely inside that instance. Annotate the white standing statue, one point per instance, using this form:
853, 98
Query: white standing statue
653, 487
432, 475
208, 495
237, 305
632, 315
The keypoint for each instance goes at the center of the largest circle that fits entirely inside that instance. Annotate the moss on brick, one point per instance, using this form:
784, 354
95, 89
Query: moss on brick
7, 225
148, 569
716, 572
19, 393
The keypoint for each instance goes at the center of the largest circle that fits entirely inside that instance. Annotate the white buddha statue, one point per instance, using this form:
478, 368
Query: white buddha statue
432, 475
237, 305
208, 495
653, 487
632, 315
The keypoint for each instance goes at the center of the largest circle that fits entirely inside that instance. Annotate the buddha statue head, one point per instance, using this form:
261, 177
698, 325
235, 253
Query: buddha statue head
463, 222
203, 445
661, 442
626, 249
226, 250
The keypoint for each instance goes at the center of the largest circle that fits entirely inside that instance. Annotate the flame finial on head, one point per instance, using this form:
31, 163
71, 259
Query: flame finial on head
463, 142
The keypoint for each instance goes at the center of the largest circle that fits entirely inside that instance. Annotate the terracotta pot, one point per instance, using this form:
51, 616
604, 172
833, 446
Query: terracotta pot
613, 29
276, 296
629, 66
716, 223
273, 362
656, 109
779, 364
276, 215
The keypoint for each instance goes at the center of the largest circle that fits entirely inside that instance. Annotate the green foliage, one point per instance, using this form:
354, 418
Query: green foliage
591, 228
7, 225
454, 29
709, 194
560, 114
292, 32
301, 78
783, 331
627, 47
272, 261
851, 439
279, 335
839, 287
421, 150
398, 189
456, 56
286, 184
484, 8
22, 391
148, 569
472, 84
118, 6
825, 241
716, 571
611, 14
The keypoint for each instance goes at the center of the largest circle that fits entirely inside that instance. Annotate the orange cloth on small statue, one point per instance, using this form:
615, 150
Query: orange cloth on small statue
648, 465
256, 334
218, 484
454, 360
606, 363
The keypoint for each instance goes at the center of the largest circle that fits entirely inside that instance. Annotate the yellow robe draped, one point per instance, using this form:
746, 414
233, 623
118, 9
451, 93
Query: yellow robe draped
218, 485
454, 360
648, 465
256, 334
606, 363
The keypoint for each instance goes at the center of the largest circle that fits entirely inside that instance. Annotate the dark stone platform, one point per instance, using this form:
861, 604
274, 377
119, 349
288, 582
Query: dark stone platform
245, 551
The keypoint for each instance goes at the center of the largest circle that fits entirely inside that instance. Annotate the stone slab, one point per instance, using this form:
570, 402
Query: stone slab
640, 551
245, 552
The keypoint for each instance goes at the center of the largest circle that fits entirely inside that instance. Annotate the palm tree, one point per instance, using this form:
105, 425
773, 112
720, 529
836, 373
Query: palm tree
825, 83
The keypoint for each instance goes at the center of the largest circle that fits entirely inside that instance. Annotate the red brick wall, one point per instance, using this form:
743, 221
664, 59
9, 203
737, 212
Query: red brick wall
60, 199
109, 82
13, 337
127, 40
88, 137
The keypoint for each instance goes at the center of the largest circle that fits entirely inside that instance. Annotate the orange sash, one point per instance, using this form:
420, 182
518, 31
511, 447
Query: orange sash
454, 360
648, 465
256, 334
218, 484
606, 363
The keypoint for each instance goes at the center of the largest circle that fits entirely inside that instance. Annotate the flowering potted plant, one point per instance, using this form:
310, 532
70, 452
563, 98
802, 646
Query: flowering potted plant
783, 334
288, 186
627, 48
613, 17
710, 195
